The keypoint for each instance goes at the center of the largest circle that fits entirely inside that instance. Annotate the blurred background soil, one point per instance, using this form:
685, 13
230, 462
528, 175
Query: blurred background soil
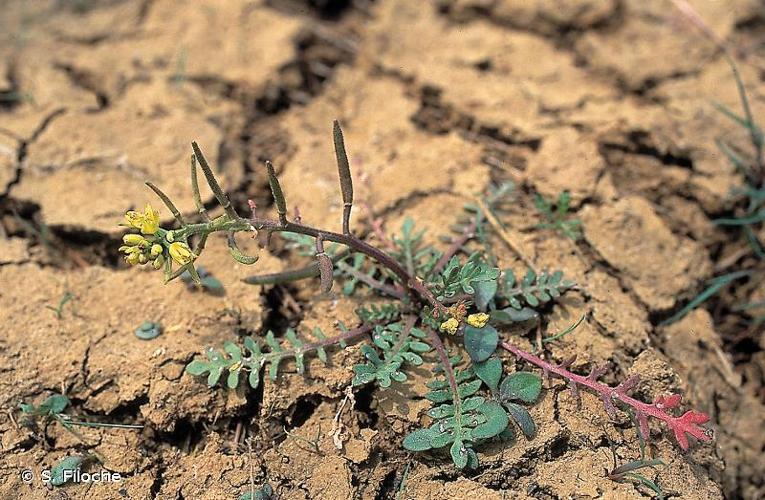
611, 100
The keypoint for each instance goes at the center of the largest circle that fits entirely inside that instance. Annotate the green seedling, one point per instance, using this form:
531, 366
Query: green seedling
52, 409
748, 215
59, 309
556, 216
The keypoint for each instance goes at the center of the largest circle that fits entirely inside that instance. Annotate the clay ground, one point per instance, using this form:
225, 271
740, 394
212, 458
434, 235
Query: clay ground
611, 100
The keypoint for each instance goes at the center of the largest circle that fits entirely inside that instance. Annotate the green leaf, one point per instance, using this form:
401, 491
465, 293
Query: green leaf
196, 367
496, 421
419, 440
54, 404
481, 343
512, 315
484, 293
459, 454
490, 371
522, 418
714, 286
469, 388
522, 386
232, 382
59, 472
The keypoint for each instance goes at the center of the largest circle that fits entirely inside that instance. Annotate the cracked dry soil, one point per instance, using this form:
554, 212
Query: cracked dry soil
611, 100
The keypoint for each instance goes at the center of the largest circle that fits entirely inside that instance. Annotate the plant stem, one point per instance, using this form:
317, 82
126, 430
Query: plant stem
308, 271
680, 425
417, 289
346, 336
443, 357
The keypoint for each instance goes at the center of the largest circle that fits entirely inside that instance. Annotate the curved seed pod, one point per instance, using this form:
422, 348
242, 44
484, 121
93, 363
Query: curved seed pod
325, 272
276, 190
237, 254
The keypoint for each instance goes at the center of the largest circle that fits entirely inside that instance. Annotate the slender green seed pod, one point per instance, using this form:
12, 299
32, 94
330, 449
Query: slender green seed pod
213, 183
276, 190
344, 169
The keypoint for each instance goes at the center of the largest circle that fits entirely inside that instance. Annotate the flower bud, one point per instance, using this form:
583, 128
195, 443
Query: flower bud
132, 259
133, 239
158, 262
142, 259
156, 249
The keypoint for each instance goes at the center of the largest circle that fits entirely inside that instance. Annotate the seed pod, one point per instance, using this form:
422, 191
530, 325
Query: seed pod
325, 272
344, 170
276, 190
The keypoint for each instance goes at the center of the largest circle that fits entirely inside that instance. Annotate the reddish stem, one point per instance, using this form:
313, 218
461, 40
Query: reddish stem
685, 424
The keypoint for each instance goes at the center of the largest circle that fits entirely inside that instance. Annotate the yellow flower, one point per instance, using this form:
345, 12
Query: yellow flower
134, 219
450, 326
478, 320
150, 220
181, 253
147, 222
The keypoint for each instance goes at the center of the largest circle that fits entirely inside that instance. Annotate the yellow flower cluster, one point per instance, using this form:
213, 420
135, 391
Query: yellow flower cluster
148, 246
477, 320
139, 250
450, 326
